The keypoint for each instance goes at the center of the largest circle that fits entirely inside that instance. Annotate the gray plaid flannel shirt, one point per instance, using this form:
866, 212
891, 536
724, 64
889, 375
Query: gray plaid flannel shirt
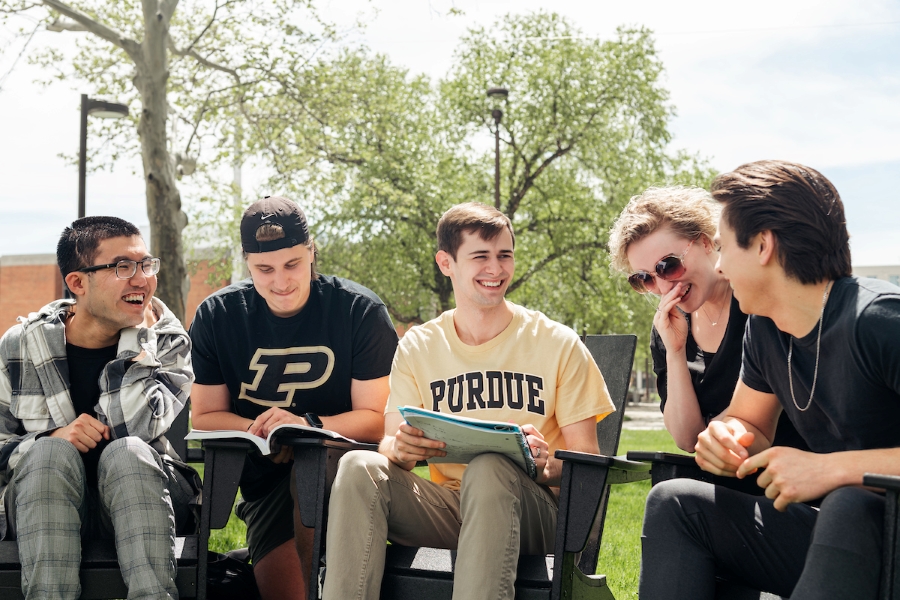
141, 391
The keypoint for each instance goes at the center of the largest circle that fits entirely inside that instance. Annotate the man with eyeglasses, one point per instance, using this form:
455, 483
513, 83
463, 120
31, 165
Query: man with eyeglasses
88, 389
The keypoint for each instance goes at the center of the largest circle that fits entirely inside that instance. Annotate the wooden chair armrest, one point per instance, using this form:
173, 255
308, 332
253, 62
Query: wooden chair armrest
667, 465
685, 460
620, 470
887, 482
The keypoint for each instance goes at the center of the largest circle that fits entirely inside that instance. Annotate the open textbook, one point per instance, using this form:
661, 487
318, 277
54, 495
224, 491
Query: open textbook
265, 445
467, 438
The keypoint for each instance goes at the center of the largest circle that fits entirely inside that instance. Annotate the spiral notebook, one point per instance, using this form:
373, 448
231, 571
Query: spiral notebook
466, 438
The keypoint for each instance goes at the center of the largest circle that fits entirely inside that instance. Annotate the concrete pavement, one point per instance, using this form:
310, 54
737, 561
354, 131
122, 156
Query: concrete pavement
643, 416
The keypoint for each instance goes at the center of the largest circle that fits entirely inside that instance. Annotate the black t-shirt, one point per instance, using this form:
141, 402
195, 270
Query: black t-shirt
302, 363
85, 366
857, 398
714, 375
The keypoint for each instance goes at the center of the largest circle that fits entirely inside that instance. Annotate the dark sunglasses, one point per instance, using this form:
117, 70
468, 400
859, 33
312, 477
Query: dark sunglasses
668, 267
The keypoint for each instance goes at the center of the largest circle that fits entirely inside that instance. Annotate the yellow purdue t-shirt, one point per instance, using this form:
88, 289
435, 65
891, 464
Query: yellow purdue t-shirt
536, 371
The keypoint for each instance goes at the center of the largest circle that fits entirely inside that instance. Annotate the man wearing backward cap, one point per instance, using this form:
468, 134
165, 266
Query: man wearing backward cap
287, 345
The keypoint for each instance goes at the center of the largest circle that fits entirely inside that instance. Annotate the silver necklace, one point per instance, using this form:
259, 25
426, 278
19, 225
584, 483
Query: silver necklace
818, 345
716, 322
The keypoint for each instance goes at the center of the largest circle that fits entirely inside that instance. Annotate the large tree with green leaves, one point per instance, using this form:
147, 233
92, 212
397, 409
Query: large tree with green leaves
378, 155
191, 63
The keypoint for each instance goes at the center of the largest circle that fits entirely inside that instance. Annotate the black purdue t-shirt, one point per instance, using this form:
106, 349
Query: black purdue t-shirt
302, 363
856, 405
85, 366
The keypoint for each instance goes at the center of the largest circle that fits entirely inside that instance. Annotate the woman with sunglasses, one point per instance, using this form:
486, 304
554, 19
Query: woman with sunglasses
663, 239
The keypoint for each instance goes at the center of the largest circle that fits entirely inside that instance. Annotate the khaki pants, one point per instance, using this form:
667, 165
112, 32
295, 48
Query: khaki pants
498, 513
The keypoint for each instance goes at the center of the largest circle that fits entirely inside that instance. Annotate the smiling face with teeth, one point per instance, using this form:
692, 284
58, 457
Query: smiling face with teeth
482, 270
105, 303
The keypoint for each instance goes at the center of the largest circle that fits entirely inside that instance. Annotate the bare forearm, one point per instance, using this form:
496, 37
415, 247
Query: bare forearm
848, 468
682, 416
361, 425
578, 437
220, 420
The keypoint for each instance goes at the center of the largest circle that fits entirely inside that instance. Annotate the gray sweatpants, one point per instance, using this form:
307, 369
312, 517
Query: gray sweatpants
498, 513
694, 531
50, 508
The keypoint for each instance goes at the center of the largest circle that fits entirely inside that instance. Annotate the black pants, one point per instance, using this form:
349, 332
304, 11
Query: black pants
694, 531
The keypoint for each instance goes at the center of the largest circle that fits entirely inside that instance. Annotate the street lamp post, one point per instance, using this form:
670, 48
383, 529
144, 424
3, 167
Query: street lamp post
497, 95
97, 108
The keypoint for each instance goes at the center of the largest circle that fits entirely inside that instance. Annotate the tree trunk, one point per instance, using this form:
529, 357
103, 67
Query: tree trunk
163, 199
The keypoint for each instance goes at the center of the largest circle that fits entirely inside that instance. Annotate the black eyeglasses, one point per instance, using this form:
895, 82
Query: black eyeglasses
125, 269
668, 267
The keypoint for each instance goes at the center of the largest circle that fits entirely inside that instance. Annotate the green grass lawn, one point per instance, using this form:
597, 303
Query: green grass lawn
620, 554
234, 535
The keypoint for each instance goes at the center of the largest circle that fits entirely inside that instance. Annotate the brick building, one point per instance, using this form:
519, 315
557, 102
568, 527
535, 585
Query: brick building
29, 281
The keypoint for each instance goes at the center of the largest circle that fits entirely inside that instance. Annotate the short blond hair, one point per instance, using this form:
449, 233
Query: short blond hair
689, 211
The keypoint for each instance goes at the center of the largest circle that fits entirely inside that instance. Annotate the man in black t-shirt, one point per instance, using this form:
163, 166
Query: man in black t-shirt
287, 346
88, 390
820, 345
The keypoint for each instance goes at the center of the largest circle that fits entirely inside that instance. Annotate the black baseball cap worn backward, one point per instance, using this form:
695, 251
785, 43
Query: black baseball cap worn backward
273, 210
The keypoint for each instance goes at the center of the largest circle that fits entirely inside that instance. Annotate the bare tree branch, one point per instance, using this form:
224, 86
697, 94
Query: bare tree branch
21, 52
401, 318
516, 199
203, 60
549, 259
212, 20
20, 9
203, 110
97, 28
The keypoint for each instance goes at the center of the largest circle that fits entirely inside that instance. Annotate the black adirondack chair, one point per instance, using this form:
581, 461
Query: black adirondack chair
423, 572
584, 490
889, 588
666, 466
100, 574
315, 462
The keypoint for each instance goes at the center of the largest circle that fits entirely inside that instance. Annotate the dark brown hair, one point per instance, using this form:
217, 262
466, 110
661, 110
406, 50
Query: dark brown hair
799, 206
474, 217
78, 244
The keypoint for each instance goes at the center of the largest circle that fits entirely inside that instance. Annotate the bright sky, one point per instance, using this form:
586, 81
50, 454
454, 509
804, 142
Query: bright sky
815, 82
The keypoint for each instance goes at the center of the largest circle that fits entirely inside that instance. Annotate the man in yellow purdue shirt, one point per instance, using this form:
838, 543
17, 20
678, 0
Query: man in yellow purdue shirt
487, 359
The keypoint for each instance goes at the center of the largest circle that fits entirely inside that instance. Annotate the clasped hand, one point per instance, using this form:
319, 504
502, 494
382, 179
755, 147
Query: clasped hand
788, 475
85, 432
